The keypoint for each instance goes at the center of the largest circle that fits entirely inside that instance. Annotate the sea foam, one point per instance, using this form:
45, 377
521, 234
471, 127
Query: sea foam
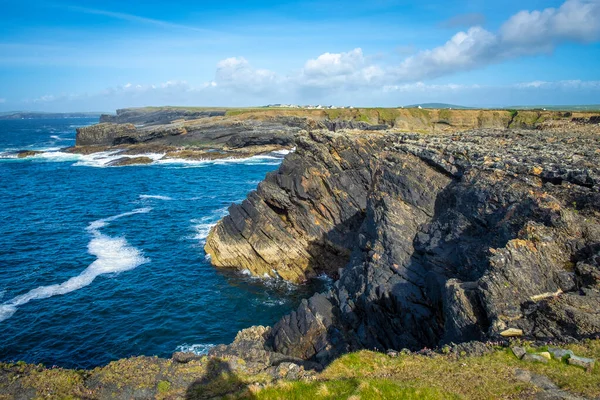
155, 197
198, 349
113, 255
202, 226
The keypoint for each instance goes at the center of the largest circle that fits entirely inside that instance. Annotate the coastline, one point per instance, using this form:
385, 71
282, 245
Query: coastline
340, 174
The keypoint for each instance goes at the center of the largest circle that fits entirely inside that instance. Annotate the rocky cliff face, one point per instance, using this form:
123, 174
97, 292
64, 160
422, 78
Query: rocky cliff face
432, 238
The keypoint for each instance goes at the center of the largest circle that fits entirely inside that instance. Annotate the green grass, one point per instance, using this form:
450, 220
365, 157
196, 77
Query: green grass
363, 389
359, 375
369, 375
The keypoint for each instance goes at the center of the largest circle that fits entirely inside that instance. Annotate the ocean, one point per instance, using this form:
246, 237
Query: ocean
99, 263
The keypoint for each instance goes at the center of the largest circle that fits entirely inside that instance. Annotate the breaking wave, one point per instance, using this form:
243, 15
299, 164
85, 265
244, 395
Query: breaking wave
113, 256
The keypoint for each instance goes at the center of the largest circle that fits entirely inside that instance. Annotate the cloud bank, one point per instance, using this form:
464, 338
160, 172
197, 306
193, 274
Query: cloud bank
333, 77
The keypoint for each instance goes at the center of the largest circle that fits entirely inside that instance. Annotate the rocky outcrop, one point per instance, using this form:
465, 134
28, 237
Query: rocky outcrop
108, 134
432, 238
157, 115
124, 161
28, 153
212, 133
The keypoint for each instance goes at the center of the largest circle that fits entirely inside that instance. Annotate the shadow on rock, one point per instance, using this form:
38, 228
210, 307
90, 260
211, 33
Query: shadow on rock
218, 381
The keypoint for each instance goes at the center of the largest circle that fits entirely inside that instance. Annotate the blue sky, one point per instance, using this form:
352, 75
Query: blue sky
92, 55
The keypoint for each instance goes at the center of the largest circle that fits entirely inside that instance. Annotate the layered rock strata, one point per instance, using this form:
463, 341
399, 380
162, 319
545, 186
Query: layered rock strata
432, 238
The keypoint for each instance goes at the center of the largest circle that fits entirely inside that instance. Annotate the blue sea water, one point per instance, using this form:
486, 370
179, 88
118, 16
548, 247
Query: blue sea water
99, 263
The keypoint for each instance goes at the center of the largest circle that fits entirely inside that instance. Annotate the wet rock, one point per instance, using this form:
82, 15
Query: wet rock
124, 161
585, 363
28, 153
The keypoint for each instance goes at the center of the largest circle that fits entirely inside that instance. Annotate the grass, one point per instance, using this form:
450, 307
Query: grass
360, 375
369, 375
350, 389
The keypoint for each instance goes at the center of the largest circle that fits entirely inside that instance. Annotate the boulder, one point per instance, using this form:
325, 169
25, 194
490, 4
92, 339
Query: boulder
519, 352
534, 358
585, 363
559, 353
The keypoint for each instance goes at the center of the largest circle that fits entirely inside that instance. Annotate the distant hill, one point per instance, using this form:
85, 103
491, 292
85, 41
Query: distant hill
438, 106
42, 115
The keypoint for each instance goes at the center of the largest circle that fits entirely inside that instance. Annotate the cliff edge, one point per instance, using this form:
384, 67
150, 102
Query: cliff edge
432, 239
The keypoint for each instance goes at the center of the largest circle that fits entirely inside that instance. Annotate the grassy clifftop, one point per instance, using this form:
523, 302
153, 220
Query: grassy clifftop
415, 119
362, 375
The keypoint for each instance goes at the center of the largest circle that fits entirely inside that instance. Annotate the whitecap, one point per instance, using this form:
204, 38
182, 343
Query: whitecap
284, 152
8, 155
113, 256
202, 226
102, 159
198, 349
260, 159
56, 137
155, 197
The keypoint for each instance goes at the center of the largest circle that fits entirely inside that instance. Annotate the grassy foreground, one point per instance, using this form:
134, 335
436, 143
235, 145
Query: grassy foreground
360, 375
369, 375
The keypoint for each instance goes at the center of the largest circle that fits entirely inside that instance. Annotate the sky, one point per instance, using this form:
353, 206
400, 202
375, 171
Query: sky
102, 55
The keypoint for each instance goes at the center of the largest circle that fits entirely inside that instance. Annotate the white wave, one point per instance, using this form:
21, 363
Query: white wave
202, 226
102, 159
113, 256
52, 155
198, 349
56, 137
8, 155
155, 197
260, 159
284, 152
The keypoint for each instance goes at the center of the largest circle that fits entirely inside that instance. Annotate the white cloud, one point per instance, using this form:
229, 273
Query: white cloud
525, 33
348, 70
575, 20
567, 85
237, 73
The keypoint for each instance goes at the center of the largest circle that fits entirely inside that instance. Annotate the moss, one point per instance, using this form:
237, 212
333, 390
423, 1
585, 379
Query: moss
55, 383
163, 386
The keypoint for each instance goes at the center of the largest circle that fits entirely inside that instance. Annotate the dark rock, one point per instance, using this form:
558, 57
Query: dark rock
184, 358
519, 352
124, 161
433, 239
28, 153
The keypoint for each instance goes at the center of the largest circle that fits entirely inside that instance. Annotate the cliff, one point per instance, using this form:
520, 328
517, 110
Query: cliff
432, 238
178, 132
